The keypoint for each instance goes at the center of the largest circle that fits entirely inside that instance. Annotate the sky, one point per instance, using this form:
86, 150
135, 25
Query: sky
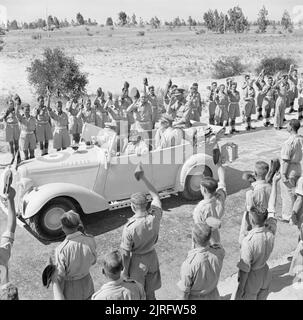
29, 10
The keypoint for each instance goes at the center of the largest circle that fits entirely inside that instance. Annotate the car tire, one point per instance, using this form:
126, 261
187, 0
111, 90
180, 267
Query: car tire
46, 223
192, 185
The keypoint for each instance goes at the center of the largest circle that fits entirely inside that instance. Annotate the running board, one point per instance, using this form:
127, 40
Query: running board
114, 205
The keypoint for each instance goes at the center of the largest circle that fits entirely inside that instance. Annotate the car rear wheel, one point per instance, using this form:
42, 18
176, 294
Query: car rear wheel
193, 181
46, 223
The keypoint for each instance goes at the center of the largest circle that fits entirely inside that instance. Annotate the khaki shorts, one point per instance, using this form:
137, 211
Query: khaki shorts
145, 269
43, 132
61, 139
27, 142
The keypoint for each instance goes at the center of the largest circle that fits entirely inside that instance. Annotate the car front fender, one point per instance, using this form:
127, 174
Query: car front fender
89, 201
191, 165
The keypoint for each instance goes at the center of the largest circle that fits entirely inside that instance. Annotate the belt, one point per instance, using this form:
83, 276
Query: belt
12, 124
42, 122
143, 253
27, 132
60, 128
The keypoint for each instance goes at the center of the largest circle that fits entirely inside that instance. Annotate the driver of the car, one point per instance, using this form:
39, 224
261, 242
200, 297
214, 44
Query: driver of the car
136, 145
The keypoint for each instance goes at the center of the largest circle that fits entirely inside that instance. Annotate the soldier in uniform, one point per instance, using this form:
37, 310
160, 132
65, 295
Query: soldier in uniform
221, 113
200, 272
101, 115
300, 101
75, 123
293, 84
281, 92
268, 104
142, 112
12, 130
233, 108
210, 101
157, 108
139, 237
166, 136
27, 136
179, 109
249, 105
213, 203
87, 114
61, 137
43, 126
291, 157
136, 145
116, 287
254, 275
74, 258
125, 102
195, 98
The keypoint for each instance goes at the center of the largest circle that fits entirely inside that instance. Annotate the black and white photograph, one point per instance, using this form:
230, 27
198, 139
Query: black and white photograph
151, 150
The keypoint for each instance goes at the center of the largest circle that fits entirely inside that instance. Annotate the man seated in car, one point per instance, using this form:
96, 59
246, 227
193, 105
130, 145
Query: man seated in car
167, 136
108, 138
136, 145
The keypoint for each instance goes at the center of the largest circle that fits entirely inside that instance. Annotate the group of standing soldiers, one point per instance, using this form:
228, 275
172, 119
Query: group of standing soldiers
265, 96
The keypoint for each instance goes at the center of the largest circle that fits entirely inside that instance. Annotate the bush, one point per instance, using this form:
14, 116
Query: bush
141, 33
57, 71
227, 67
90, 34
201, 31
274, 65
36, 36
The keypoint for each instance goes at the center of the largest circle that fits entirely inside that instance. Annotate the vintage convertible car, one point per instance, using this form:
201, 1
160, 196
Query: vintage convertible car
93, 179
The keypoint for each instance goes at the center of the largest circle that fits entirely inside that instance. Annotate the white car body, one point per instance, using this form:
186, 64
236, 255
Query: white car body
95, 181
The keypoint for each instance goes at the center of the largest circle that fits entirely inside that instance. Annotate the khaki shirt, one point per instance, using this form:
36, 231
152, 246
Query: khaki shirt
292, 149
138, 148
41, 114
143, 112
88, 116
196, 101
11, 118
60, 120
75, 255
256, 247
259, 194
213, 207
268, 92
27, 125
233, 97
72, 108
141, 233
121, 289
200, 272
168, 138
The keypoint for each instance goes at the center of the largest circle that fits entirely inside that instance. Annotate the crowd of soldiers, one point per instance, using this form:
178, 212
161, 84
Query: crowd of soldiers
134, 112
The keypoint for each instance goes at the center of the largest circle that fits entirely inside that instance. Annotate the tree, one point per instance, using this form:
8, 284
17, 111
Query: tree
122, 18
41, 23
80, 19
209, 20
177, 22
274, 26
56, 22
237, 21
12, 25
190, 21
32, 25
262, 21
286, 21
109, 21
58, 72
134, 19
25, 25
50, 21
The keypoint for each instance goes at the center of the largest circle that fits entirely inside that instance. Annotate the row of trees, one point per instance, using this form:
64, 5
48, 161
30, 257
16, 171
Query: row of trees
234, 20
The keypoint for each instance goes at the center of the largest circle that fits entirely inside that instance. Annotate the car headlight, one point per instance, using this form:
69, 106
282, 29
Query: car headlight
24, 185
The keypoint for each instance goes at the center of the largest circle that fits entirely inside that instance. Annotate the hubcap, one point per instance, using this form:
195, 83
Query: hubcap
195, 182
52, 218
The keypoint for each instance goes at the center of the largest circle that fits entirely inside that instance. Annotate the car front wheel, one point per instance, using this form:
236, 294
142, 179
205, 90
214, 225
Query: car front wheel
47, 222
193, 181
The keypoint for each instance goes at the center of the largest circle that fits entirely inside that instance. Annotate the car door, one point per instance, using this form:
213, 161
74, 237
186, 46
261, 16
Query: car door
166, 165
120, 180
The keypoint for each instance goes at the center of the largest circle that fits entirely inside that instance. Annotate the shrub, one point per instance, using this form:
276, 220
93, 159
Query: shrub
36, 36
274, 65
227, 66
201, 31
141, 33
57, 71
90, 34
